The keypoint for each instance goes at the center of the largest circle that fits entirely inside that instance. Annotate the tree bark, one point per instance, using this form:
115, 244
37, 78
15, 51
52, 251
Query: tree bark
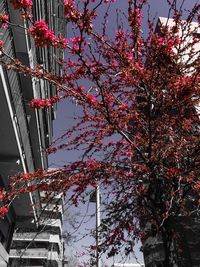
177, 245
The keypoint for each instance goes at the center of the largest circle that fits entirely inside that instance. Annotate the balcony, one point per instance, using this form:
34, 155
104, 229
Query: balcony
48, 196
31, 236
53, 207
29, 253
38, 237
34, 254
54, 223
53, 211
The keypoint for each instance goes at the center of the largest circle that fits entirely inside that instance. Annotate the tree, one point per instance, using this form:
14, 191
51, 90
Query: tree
137, 129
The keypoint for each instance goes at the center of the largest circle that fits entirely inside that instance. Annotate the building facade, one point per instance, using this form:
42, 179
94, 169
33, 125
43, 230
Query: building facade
25, 133
42, 245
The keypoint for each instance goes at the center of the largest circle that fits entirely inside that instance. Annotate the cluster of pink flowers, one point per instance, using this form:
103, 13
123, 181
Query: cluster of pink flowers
51, 150
135, 17
3, 211
28, 176
92, 99
44, 36
70, 10
165, 44
1, 45
60, 42
83, 20
4, 20
3, 194
76, 44
22, 4
43, 103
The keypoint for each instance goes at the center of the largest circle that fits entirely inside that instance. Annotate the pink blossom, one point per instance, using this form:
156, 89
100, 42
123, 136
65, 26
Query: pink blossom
23, 4
4, 20
1, 45
3, 211
44, 36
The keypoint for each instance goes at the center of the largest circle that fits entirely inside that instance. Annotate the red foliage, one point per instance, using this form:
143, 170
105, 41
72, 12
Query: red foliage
22, 4
4, 20
137, 123
3, 211
43, 103
43, 36
1, 45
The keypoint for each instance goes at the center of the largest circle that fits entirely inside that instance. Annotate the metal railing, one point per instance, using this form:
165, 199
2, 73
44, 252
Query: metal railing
30, 236
29, 253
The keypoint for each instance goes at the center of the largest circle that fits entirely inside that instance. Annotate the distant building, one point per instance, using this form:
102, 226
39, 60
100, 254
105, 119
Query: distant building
26, 133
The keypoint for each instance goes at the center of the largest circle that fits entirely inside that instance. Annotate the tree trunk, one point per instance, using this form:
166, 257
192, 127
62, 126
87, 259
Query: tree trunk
177, 245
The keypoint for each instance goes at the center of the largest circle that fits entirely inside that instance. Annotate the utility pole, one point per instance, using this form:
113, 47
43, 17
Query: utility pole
98, 222
95, 198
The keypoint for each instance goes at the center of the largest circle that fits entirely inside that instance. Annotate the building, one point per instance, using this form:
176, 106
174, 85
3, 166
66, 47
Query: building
26, 133
41, 246
188, 228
